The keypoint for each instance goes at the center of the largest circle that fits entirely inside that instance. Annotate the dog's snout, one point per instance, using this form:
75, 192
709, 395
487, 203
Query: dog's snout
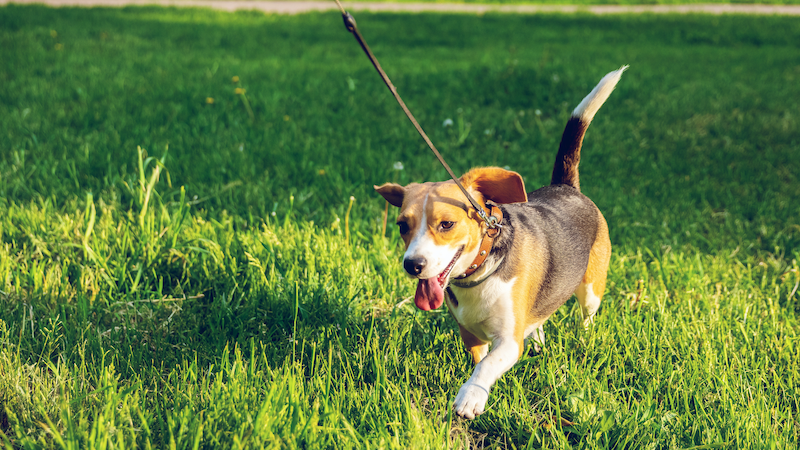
414, 266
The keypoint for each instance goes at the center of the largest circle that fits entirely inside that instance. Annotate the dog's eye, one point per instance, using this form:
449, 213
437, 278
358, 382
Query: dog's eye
403, 227
446, 225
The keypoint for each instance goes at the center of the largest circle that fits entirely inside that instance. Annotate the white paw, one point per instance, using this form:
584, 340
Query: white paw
470, 401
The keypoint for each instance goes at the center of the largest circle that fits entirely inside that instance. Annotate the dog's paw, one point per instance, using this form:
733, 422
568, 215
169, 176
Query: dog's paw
470, 401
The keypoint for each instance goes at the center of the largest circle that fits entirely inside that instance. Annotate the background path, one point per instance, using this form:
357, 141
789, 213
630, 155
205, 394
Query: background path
295, 7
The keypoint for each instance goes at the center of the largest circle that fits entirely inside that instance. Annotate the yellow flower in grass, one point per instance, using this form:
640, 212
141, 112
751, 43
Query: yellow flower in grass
239, 91
235, 79
210, 100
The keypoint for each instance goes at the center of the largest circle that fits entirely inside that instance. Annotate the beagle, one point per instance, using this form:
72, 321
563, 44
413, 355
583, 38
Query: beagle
502, 284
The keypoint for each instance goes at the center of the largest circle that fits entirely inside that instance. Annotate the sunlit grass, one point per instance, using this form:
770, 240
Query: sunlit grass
182, 272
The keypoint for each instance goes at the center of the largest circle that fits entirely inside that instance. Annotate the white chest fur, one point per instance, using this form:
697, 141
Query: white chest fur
485, 310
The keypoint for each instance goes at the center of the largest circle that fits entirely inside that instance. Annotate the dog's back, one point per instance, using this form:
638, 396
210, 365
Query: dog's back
566, 228
563, 225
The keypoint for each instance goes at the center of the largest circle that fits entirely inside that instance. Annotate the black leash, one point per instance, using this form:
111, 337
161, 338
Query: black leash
350, 24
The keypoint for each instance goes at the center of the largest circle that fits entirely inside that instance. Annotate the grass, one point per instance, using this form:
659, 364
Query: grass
181, 265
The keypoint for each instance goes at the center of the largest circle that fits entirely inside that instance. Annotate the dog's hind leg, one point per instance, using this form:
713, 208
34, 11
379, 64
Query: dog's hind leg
593, 284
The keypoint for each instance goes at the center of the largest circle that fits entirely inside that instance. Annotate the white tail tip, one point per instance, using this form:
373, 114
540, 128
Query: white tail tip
589, 106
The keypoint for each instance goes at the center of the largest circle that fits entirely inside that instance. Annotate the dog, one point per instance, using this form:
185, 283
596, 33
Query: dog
502, 284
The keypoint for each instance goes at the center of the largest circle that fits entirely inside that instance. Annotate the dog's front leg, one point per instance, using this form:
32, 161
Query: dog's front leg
473, 395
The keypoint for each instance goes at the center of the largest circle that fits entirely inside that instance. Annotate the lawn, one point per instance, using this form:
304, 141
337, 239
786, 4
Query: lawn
192, 255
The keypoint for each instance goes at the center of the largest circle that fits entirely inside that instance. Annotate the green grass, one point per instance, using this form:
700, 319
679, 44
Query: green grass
212, 290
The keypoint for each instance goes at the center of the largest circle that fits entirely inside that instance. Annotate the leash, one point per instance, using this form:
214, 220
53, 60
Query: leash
350, 23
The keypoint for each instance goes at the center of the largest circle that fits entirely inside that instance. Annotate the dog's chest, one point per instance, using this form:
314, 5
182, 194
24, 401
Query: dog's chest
487, 310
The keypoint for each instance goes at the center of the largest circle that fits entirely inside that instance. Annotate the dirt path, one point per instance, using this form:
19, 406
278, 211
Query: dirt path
296, 7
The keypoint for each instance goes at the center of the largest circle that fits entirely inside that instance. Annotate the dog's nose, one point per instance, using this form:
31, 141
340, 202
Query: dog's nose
414, 266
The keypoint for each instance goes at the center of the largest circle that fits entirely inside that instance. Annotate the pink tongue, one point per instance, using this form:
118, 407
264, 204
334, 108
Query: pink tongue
429, 294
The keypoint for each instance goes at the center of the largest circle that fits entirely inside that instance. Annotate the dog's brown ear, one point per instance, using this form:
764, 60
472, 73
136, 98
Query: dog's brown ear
496, 184
393, 193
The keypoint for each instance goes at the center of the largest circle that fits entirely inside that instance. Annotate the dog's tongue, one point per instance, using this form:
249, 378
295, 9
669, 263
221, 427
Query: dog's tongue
429, 294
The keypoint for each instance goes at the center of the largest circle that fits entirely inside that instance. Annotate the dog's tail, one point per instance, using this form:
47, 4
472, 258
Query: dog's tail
565, 170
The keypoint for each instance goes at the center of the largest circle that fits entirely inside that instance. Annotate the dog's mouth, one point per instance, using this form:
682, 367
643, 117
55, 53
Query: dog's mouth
442, 278
430, 292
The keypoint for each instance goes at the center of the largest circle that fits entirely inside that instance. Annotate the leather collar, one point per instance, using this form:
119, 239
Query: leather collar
486, 243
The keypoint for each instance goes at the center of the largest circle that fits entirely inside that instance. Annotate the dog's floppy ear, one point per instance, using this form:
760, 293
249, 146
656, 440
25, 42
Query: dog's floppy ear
496, 184
393, 193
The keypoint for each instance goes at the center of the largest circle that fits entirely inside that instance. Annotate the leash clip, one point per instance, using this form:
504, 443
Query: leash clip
492, 222
349, 22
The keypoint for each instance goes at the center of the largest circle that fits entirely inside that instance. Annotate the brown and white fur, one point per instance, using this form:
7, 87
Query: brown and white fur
554, 242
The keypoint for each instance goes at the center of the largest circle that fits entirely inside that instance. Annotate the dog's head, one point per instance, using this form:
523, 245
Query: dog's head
441, 229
